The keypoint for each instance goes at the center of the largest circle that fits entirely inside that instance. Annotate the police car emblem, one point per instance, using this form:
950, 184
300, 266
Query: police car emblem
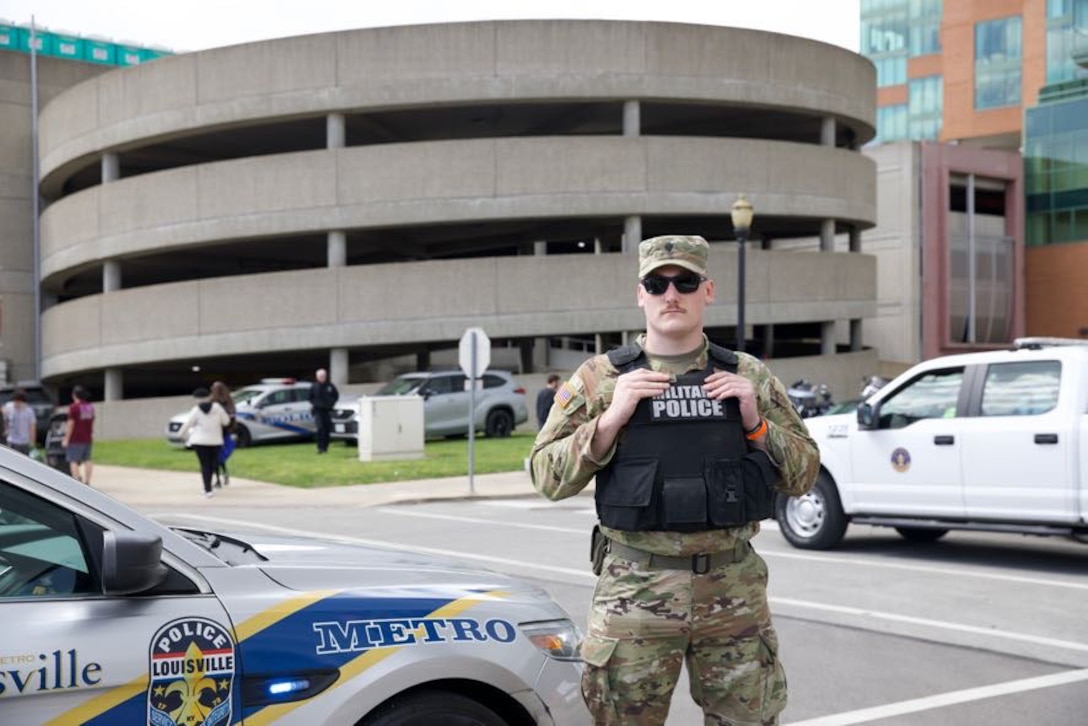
192, 674
900, 460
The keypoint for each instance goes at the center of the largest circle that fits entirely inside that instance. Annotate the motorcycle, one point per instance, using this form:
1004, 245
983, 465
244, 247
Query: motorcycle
809, 399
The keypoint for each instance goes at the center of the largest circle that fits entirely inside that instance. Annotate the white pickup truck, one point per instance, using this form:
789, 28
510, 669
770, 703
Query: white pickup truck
994, 441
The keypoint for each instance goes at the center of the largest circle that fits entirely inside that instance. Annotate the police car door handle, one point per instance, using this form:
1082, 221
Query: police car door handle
944, 440
1046, 438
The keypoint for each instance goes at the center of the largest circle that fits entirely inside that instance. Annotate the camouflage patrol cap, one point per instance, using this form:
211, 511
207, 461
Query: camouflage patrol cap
687, 251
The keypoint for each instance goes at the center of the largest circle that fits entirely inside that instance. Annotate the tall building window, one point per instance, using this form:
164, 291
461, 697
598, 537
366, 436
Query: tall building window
925, 26
997, 62
1056, 173
925, 107
891, 123
884, 32
981, 262
1066, 34
891, 71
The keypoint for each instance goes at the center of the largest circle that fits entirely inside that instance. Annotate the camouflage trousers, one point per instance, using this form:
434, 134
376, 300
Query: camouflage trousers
644, 624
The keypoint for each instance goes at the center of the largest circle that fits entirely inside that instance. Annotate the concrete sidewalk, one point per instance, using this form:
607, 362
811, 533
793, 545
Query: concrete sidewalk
145, 488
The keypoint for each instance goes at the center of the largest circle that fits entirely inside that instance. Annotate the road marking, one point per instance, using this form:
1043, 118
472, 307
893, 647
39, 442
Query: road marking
941, 700
770, 525
928, 569
541, 505
477, 520
938, 624
589, 576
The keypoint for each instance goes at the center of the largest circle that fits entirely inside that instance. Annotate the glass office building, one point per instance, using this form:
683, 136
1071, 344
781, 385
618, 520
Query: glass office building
1056, 168
978, 95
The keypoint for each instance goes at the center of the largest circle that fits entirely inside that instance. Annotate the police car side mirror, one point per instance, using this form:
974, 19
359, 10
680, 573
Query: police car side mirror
131, 562
868, 415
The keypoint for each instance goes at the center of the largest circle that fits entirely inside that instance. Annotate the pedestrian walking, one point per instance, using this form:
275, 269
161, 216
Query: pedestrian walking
323, 397
221, 395
545, 398
20, 423
688, 442
203, 431
78, 435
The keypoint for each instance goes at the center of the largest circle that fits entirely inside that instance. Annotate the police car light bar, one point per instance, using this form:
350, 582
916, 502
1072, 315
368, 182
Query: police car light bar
1044, 342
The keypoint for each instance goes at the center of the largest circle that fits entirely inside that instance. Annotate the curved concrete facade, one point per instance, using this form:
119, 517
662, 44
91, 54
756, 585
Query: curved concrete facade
450, 181
372, 193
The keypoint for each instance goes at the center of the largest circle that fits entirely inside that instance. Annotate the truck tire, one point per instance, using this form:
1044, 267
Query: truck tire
921, 534
427, 708
499, 424
813, 521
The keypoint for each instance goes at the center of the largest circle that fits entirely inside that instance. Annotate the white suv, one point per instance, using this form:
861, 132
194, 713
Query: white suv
994, 442
276, 409
500, 404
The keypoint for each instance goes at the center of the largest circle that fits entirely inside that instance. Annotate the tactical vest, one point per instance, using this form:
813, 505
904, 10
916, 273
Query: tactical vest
683, 463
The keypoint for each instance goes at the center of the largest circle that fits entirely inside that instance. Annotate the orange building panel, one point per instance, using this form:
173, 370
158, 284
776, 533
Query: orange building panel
1056, 277
925, 65
891, 95
961, 120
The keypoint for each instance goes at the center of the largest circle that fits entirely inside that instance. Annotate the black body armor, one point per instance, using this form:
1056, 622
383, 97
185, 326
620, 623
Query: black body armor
683, 462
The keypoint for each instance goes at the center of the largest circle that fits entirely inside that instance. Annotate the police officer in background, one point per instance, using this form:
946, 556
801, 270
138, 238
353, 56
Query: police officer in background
323, 397
688, 442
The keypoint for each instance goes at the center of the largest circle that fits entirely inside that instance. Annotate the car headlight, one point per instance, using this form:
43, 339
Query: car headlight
556, 638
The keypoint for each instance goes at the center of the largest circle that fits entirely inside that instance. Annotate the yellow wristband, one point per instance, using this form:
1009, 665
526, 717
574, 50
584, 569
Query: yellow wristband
759, 431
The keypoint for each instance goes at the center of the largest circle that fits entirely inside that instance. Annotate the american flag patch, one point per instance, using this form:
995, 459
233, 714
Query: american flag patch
564, 395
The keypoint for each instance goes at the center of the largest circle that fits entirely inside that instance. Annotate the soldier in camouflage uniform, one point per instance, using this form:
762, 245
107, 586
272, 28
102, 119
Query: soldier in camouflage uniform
689, 591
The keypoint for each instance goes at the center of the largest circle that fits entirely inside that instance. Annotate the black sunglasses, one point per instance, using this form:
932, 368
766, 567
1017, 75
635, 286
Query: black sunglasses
685, 283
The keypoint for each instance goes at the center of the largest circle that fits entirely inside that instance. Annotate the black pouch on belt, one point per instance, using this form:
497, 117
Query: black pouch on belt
598, 548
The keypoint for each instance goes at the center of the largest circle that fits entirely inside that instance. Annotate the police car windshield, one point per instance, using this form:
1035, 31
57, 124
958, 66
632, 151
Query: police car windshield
400, 386
245, 394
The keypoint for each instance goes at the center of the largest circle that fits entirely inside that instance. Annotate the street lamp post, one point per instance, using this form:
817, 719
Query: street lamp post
742, 214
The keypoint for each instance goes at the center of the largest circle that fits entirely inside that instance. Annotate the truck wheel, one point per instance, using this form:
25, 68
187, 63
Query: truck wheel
242, 437
499, 423
427, 708
813, 521
921, 534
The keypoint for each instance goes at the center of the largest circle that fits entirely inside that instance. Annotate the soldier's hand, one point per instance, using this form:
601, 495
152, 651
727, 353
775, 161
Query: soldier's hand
631, 387
722, 384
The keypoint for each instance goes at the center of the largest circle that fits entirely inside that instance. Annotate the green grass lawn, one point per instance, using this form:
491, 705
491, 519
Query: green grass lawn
300, 465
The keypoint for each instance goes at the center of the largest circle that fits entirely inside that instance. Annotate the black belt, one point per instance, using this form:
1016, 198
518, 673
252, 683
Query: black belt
699, 564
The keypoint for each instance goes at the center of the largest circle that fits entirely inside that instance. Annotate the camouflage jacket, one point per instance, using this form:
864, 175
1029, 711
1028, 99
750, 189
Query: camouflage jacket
562, 465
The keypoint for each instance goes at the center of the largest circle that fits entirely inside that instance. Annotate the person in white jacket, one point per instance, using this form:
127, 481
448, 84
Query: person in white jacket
204, 429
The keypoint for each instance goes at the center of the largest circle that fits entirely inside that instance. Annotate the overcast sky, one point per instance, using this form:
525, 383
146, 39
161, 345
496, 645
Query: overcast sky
199, 24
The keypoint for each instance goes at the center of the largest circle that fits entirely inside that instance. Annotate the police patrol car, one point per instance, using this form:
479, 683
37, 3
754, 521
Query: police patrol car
276, 409
108, 618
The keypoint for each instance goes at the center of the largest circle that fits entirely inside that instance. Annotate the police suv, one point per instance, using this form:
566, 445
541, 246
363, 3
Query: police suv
994, 441
107, 617
276, 409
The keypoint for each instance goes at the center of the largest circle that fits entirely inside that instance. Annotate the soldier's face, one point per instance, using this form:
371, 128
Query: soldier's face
674, 313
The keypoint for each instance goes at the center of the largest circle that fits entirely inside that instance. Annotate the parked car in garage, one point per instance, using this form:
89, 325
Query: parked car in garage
500, 404
276, 409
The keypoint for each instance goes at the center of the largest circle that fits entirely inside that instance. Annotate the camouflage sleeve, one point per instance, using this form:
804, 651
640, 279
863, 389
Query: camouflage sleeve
788, 442
561, 464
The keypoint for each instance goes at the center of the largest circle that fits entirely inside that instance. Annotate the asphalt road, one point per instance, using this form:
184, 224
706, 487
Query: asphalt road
974, 629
